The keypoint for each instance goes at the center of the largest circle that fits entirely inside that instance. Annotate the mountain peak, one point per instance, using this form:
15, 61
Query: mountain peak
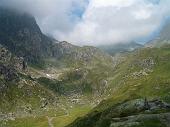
21, 35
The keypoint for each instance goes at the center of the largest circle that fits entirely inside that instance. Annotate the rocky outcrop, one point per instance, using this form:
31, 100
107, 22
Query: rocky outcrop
8, 73
128, 114
147, 108
144, 72
144, 105
10, 65
162, 119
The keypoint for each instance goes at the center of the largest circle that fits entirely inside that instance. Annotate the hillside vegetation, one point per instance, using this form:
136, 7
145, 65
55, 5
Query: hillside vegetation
141, 93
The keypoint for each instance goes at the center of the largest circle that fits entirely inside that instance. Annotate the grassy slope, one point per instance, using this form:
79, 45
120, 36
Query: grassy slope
17, 99
155, 85
23, 93
42, 121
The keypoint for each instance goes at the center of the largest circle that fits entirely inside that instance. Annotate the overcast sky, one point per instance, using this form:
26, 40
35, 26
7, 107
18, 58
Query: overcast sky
96, 22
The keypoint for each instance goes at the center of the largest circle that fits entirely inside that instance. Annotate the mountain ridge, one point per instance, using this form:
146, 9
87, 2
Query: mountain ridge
120, 47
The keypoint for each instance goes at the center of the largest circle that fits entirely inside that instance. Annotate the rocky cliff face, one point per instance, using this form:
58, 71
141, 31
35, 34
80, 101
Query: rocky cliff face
10, 65
20, 33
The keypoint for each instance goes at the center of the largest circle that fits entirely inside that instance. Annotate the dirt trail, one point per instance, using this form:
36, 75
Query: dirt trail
50, 121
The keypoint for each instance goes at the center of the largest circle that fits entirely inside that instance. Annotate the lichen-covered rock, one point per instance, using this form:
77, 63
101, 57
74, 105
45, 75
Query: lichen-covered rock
10, 65
8, 73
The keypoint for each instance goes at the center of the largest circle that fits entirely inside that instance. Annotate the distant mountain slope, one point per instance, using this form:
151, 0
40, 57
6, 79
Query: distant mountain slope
163, 37
120, 48
141, 93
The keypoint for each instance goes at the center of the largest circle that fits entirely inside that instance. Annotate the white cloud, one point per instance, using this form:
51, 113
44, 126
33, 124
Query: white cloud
102, 21
114, 3
115, 21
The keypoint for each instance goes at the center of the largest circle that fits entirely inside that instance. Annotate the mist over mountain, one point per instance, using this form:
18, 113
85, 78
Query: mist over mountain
162, 38
120, 47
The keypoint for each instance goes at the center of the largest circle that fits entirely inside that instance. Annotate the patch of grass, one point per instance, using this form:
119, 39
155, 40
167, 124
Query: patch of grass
28, 122
74, 113
150, 123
